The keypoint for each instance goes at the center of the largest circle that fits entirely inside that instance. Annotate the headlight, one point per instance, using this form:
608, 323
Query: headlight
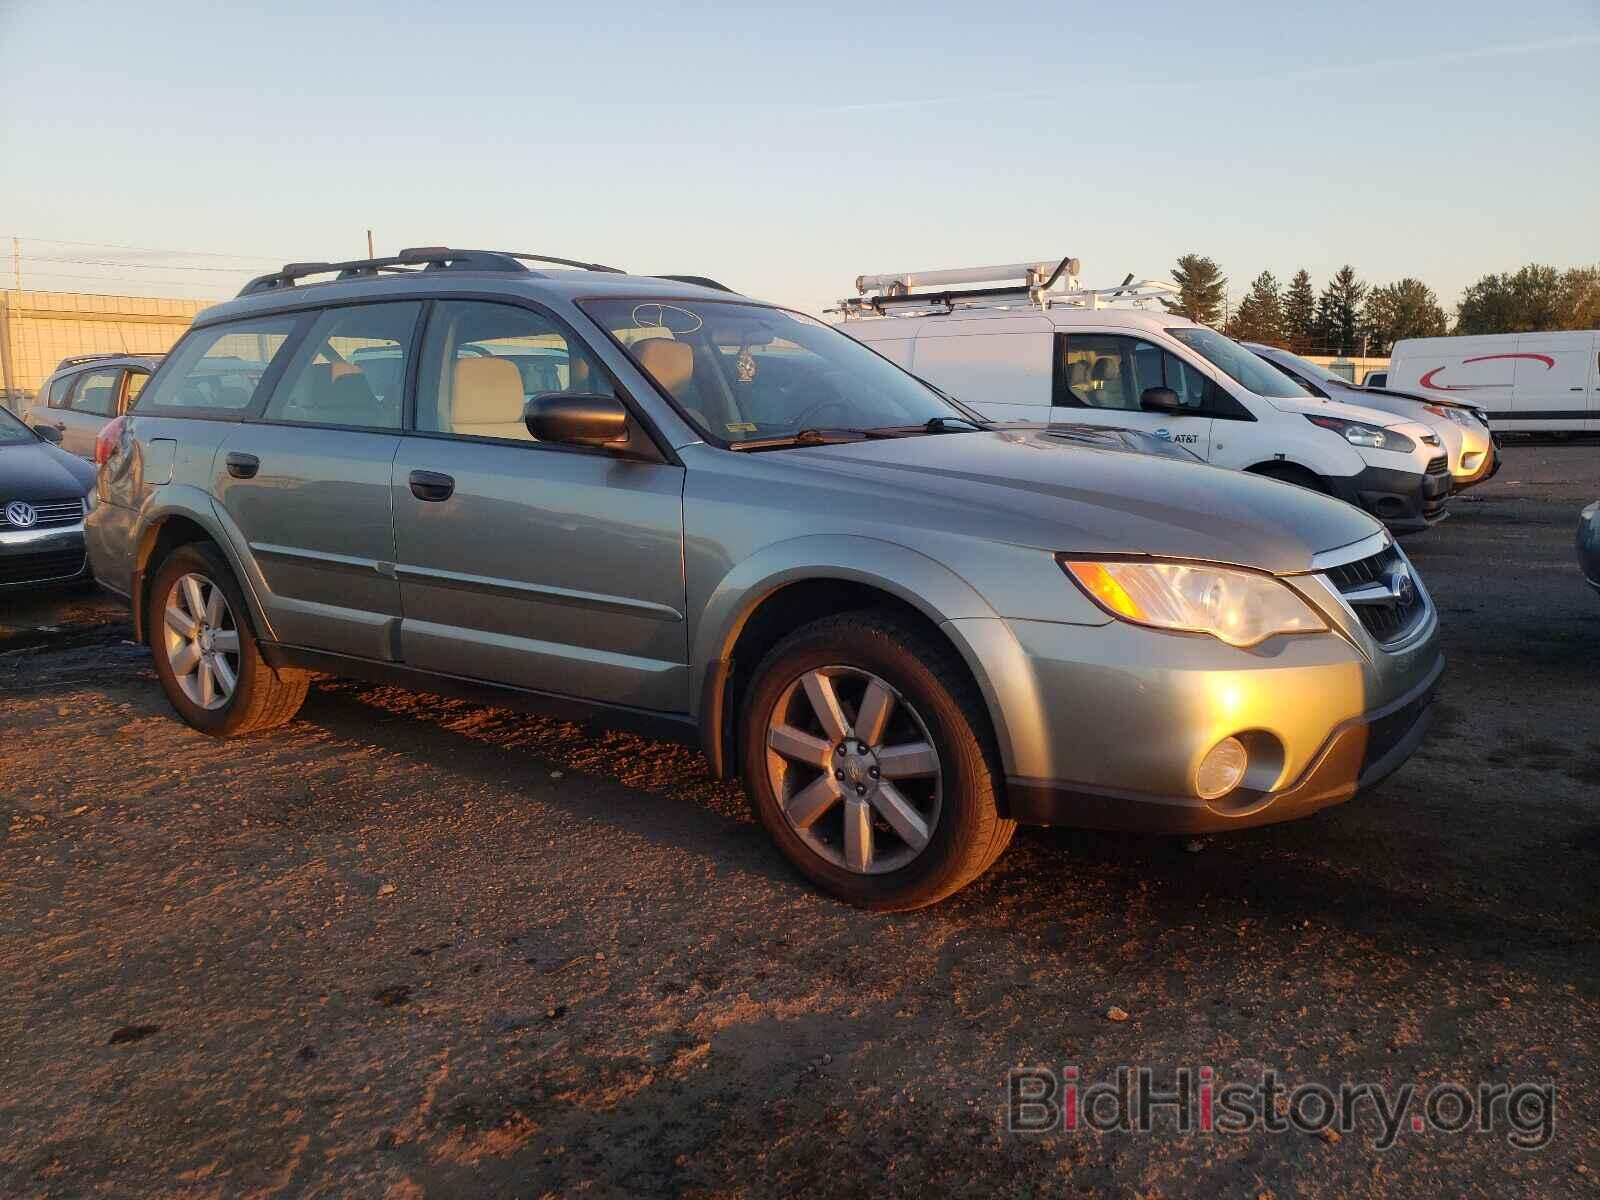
1450, 412
1237, 607
1359, 433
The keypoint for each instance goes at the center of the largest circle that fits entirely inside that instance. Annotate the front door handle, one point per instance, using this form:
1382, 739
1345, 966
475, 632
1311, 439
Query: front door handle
432, 486
242, 466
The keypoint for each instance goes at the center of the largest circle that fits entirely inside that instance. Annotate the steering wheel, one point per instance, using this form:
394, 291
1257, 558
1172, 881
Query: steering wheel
808, 419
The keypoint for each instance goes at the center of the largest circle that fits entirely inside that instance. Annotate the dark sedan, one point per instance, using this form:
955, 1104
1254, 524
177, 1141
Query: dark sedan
43, 498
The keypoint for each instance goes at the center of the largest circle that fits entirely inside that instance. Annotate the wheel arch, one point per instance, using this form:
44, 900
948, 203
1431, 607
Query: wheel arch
162, 531
764, 598
1272, 466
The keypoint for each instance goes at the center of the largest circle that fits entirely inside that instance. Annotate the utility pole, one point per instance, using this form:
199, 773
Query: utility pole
16, 261
370, 254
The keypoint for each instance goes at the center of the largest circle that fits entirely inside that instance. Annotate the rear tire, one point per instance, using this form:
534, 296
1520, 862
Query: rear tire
205, 650
895, 807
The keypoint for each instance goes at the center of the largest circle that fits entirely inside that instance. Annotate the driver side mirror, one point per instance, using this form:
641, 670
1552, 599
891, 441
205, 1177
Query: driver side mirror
577, 419
49, 433
1161, 399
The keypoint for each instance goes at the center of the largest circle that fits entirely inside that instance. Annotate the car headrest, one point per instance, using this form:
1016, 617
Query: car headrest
670, 362
488, 391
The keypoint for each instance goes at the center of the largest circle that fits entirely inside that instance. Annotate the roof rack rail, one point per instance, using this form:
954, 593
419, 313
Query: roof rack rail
1034, 284
699, 281
75, 360
427, 258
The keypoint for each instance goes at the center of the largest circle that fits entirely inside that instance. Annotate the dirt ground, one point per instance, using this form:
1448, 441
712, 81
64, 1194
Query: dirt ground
411, 947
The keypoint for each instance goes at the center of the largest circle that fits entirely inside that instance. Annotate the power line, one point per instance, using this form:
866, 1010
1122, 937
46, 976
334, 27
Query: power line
132, 266
183, 283
150, 249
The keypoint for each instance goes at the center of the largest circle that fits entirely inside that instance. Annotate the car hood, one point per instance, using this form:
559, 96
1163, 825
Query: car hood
1421, 398
1028, 488
38, 471
1337, 408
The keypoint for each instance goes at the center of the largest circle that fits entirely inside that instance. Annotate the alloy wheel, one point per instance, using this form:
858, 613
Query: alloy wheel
854, 769
202, 641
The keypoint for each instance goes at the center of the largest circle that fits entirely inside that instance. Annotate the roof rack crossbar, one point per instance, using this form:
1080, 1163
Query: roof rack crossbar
428, 258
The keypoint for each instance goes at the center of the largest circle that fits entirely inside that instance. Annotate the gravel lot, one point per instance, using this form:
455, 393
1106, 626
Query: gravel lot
413, 947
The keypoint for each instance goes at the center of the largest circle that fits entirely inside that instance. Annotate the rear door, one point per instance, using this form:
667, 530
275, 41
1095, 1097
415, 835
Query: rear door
1100, 378
541, 566
90, 404
1552, 381
306, 481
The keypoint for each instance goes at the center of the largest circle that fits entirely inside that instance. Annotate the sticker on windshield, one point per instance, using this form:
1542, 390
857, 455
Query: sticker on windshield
741, 427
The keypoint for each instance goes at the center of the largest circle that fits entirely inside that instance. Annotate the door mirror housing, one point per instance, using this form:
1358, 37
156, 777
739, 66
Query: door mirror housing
577, 419
49, 433
1161, 399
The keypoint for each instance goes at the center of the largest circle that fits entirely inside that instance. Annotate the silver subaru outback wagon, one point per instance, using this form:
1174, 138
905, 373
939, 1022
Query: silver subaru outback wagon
656, 504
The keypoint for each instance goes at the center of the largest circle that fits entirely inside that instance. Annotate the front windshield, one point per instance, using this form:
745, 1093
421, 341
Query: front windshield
1310, 369
1239, 364
13, 432
744, 372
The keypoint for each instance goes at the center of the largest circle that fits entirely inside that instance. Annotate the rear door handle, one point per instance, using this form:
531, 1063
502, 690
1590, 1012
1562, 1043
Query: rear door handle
432, 486
242, 466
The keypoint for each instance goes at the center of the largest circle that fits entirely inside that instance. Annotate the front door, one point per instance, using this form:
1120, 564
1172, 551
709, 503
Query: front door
540, 566
1101, 377
307, 484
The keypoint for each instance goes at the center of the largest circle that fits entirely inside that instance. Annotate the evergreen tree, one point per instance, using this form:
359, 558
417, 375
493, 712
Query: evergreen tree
1401, 310
1299, 306
1337, 324
1202, 289
1530, 300
1260, 316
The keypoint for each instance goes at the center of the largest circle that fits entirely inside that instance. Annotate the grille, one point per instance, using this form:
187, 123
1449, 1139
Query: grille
1387, 621
51, 512
1384, 734
40, 568
1439, 466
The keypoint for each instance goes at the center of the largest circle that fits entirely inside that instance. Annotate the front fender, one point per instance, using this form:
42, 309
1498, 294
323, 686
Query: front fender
963, 616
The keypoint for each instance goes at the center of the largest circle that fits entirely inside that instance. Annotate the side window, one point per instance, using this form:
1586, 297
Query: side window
96, 393
350, 369
1186, 380
217, 369
481, 362
57, 396
1098, 370
135, 385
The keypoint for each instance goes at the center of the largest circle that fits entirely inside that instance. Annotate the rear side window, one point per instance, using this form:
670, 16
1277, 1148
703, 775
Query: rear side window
96, 393
215, 371
135, 385
56, 397
350, 370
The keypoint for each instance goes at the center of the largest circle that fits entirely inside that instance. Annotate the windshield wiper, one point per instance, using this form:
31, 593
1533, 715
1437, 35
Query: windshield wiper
805, 437
931, 425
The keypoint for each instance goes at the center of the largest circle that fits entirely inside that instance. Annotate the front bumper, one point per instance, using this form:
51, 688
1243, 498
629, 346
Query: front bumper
1405, 501
1484, 468
1105, 726
1358, 755
53, 556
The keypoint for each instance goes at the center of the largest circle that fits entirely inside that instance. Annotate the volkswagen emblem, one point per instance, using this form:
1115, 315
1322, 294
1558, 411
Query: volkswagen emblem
21, 515
1401, 587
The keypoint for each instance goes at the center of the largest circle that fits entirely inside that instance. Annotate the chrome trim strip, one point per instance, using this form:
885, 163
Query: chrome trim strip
1372, 544
26, 537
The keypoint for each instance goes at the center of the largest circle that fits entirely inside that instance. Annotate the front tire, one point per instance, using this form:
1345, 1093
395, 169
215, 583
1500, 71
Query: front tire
206, 654
867, 755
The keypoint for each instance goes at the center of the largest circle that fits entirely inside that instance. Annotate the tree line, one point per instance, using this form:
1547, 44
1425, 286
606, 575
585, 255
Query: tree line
1350, 316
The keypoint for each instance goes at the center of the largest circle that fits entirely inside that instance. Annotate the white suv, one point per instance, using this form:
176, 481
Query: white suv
1039, 351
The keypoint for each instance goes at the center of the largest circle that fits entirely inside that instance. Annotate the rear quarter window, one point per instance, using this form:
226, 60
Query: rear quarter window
217, 371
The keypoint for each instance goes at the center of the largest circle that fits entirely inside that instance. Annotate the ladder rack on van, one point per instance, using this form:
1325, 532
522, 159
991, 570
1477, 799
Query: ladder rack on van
1027, 284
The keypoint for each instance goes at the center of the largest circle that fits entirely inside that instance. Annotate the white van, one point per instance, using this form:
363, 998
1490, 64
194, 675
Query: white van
1041, 348
1527, 382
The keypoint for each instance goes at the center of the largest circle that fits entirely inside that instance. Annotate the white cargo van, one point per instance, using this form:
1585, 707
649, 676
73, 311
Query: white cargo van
1036, 346
1526, 382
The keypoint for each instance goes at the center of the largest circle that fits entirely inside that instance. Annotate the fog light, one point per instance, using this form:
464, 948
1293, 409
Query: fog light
1221, 769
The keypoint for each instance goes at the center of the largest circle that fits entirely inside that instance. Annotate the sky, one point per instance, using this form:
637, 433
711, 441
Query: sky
176, 149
